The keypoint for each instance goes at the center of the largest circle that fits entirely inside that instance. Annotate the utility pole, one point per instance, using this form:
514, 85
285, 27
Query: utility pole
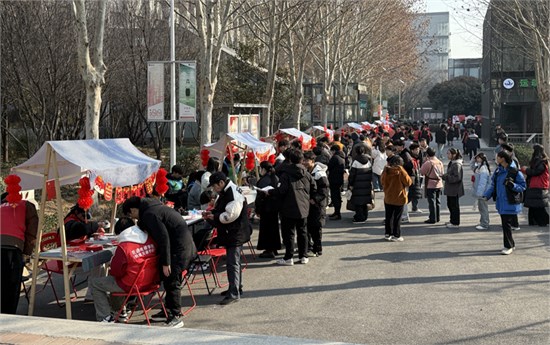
172, 87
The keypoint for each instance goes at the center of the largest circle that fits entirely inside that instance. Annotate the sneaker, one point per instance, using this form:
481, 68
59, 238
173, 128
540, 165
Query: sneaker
284, 262
228, 300
304, 260
405, 220
515, 228
479, 227
319, 253
359, 222
174, 322
397, 239
108, 319
417, 211
387, 237
123, 317
506, 251
311, 254
452, 226
160, 316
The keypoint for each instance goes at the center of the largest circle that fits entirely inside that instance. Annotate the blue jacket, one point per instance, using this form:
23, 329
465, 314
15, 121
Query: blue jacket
497, 181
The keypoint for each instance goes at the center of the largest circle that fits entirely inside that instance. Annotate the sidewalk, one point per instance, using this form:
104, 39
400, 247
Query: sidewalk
439, 286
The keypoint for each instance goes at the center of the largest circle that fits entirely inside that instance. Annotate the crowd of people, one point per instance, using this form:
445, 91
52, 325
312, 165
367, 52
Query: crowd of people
293, 195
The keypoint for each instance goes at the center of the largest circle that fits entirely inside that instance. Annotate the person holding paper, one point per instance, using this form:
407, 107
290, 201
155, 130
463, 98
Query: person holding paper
269, 237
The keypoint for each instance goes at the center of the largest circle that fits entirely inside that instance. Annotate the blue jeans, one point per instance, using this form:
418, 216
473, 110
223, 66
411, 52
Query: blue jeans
376, 182
234, 272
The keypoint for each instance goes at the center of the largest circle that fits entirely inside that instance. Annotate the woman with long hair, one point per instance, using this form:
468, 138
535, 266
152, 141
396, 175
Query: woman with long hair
454, 187
482, 174
269, 237
536, 194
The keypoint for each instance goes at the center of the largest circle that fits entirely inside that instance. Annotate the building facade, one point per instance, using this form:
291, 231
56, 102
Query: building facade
509, 94
465, 67
435, 45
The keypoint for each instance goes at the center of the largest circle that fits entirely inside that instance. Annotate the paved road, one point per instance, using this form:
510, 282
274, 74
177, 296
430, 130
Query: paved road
439, 286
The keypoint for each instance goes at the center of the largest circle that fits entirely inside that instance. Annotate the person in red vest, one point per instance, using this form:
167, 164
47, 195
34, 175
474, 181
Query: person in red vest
134, 247
18, 227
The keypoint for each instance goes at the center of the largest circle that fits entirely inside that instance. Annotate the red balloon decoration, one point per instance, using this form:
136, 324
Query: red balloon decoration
13, 188
161, 182
85, 193
250, 161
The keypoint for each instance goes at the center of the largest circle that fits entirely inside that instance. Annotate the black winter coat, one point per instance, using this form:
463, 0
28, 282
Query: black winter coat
415, 189
231, 232
317, 211
294, 190
360, 178
407, 161
266, 203
174, 240
336, 167
441, 136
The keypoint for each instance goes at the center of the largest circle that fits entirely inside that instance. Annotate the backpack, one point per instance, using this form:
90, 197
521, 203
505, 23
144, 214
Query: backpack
513, 197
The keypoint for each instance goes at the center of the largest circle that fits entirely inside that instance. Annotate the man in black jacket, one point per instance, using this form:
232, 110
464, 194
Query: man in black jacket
175, 247
336, 168
294, 190
318, 202
229, 216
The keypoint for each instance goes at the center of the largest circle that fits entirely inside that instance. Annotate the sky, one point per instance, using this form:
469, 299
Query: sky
466, 25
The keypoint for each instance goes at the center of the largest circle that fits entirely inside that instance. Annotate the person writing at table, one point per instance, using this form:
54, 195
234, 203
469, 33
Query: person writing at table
78, 224
134, 247
175, 247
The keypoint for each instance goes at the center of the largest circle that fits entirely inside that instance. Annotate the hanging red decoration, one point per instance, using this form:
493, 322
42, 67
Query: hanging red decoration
85, 193
313, 143
205, 156
108, 194
99, 182
250, 161
119, 197
271, 159
13, 188
149, 185
161, 182
327, 135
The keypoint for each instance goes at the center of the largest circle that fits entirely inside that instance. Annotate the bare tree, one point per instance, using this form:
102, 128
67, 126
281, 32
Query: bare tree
91, 65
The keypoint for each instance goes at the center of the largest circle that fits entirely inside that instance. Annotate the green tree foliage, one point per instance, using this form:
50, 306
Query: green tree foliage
461, 95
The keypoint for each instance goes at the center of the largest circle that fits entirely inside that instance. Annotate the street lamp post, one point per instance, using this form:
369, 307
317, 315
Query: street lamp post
380, 108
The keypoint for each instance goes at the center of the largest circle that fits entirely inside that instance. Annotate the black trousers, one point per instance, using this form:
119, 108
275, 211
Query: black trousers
291, 227
12, 271
315, 235
336, 197
393, 219
172, 286
454, 209
434, 203
361, 213
538, 216
508, 220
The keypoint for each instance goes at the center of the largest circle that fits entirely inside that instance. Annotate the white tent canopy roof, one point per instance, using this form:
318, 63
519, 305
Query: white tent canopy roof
117, 161
217, 149
320, 128
296, 133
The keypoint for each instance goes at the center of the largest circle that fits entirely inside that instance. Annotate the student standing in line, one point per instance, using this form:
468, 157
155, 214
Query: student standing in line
536, 196
506, 189
395, 181
482, 173
432, 170
454, 187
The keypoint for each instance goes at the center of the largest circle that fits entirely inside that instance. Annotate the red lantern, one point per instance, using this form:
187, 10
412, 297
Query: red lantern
161, 182
205, 156
13, 188
313, 143
85, 193
327, 135
250, 161
271, 159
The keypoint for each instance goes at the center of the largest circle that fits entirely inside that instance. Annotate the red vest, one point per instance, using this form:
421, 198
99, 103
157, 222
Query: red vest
12, 220
540, 181
136, 254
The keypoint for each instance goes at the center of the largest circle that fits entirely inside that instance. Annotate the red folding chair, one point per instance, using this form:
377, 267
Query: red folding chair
49, 241
216, 254
142, 291
185, 276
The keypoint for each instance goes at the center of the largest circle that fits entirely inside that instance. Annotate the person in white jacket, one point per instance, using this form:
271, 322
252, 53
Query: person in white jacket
482, 174
380, 160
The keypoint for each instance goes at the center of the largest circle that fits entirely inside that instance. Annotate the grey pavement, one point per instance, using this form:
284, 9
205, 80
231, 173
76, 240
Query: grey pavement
439, 286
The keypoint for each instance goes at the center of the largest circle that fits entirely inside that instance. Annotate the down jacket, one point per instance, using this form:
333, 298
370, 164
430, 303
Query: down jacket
481, 183
294, 190
360, 178
230, 216
317, 211
395, 181
536, 196
497, 182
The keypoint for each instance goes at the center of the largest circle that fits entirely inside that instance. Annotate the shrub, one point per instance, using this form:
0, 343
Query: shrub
523, 153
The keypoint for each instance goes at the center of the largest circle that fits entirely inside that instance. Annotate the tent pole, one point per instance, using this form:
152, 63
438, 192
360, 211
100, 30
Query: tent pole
68, 308
232, 163
113, 215
40, 231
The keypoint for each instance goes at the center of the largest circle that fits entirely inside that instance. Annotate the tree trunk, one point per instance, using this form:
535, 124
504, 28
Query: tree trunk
93, 107
545, 106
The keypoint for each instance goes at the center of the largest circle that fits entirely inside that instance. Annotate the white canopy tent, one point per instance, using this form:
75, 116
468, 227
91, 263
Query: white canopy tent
117, 161
321, 129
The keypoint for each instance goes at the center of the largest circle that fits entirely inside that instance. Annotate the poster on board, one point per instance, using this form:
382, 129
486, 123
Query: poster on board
233, 124
155, 91
187, 92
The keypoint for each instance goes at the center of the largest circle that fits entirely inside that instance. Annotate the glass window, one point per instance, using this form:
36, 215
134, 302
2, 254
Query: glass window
474, 72
459, 72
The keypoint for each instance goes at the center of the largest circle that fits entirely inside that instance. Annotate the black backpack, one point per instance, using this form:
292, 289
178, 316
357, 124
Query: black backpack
514, 198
